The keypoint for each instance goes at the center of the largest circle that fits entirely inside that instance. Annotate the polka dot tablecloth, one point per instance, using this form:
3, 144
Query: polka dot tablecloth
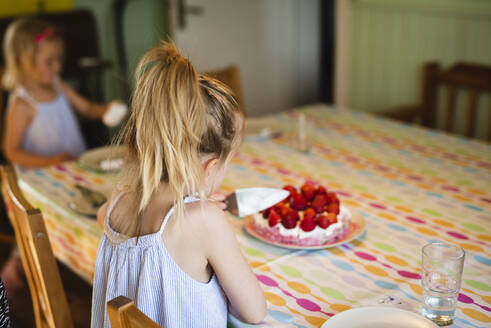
412, 186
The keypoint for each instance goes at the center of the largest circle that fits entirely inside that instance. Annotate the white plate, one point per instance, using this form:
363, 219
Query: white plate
378, 317
93, 159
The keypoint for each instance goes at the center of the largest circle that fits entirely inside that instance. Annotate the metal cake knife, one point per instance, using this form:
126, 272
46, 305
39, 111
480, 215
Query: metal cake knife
246, 201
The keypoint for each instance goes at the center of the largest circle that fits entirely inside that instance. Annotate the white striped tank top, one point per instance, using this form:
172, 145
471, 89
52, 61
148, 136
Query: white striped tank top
146, 273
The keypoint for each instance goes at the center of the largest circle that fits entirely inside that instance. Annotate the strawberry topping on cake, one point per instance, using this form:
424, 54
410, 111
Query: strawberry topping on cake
309, 216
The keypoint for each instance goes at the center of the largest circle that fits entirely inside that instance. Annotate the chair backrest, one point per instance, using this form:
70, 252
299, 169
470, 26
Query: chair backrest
474, 78
48, 296
230, 76
124, 314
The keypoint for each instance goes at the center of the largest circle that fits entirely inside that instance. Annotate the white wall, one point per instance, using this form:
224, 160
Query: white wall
274, 42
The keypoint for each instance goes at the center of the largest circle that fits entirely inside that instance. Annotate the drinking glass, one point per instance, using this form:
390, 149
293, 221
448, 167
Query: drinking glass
442, 273
302, 134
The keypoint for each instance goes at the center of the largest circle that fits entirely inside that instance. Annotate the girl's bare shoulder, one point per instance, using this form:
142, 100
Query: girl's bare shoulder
207, 213
208, 219
120, 207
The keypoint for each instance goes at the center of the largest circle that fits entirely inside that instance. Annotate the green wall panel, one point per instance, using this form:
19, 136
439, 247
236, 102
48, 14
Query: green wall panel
145, 23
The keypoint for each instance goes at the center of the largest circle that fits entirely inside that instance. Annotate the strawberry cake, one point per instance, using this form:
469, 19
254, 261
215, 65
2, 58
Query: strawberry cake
311, 216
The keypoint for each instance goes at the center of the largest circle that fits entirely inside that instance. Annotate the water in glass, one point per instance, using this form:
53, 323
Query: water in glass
442, 274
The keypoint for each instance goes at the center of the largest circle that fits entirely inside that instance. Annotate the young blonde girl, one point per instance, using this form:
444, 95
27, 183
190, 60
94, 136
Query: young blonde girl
167, 245
41, 128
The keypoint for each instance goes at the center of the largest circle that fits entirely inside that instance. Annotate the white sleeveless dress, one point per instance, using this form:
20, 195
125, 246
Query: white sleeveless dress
54, 129
146, 273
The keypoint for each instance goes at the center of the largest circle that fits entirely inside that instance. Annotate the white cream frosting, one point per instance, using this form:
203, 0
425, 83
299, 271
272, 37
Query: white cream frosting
332, 230
288, 232
317, 232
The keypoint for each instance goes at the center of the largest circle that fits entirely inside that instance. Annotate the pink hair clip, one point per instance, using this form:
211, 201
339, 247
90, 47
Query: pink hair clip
44, 34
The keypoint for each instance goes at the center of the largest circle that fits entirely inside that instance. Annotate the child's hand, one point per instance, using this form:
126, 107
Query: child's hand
218, 199
63, 157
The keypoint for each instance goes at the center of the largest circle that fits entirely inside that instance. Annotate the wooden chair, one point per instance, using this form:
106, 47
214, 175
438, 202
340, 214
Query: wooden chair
49, 300
230, 76
472, 77
5, 236
124, 314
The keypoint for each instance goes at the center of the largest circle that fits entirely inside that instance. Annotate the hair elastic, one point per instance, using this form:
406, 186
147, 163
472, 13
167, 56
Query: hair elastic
44, 34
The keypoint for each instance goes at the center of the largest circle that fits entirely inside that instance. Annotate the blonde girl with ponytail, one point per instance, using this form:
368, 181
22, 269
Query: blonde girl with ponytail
167, 244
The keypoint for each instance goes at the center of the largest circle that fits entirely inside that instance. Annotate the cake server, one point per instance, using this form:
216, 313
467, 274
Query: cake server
246, 201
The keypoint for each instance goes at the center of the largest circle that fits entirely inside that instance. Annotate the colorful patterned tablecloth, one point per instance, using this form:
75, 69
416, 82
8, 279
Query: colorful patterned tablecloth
412, 186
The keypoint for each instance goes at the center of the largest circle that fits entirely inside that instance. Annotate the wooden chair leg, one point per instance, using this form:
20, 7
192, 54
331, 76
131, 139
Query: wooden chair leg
471, 118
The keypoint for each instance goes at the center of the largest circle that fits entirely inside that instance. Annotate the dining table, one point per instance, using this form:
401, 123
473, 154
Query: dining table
411, 185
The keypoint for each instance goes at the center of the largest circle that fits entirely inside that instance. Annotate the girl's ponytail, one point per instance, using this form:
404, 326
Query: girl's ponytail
166, 125
177, 116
